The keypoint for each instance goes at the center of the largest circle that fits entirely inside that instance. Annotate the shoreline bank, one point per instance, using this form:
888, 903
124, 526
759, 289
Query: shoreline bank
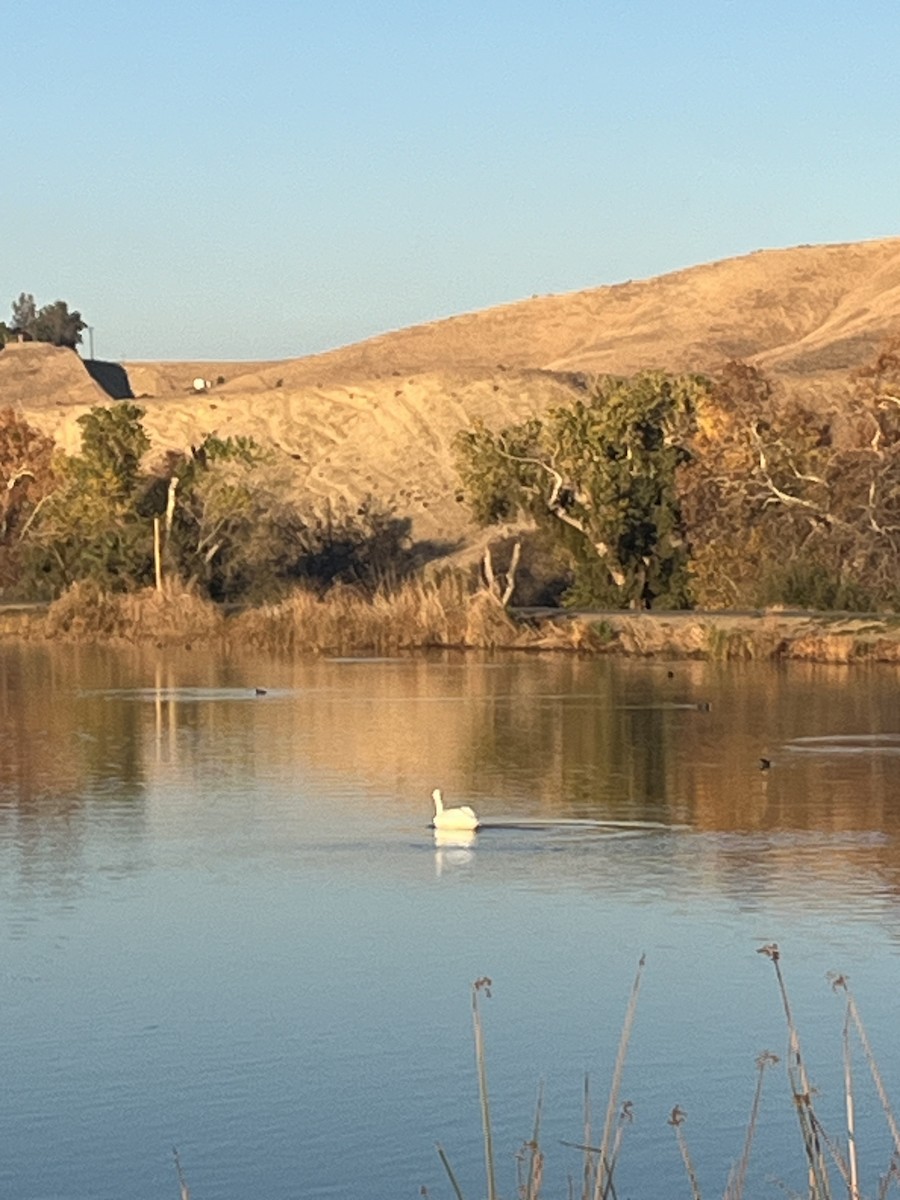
840, 638
836, 638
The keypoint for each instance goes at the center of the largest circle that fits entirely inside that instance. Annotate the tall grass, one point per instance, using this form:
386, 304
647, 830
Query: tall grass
88, 613
446, 611
810, 1128
182, 1182
822, 1152
417, 614
486, 1125
599, 1161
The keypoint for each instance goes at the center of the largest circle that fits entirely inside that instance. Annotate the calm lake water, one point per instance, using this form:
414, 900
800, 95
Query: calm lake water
226, 926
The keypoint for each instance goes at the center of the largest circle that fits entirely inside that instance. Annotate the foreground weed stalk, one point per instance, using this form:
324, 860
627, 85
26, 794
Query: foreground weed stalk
819, 1184
852, 1016
676, 1120
484, 984
853, 1180
530, 1187
734, 1189
588, 1180
604, 1181
454, 1183
182, 1182
479, 986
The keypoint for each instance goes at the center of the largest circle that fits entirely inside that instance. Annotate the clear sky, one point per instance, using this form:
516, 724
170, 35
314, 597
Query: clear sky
212, 179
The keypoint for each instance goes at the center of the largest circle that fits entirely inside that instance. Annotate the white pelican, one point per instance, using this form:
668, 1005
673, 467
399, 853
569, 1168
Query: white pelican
451, 818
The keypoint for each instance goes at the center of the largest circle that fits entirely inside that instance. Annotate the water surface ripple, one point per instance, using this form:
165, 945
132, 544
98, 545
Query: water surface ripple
226, 925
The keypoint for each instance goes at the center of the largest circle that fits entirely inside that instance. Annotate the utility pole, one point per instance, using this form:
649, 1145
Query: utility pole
91, 341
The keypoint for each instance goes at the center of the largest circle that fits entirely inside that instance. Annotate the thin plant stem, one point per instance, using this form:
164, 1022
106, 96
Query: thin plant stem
454, 1183
529, 1189
676, 1120
734, 1189
834, 1150
840, 981
182, 1182
484, 984
626, 1116
588, 1176
820, 1188
604, 1176
849, 1105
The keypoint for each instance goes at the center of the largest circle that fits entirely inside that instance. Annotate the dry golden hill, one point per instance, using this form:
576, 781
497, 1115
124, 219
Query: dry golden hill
377, 418
34, 375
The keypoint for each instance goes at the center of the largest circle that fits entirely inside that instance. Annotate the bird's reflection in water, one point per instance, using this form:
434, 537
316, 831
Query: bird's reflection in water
452, 848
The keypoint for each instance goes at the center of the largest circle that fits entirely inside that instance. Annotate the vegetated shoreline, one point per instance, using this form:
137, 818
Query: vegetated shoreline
444, 614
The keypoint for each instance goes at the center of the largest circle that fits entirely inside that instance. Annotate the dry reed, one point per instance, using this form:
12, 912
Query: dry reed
810, 1128
182, 1182
484, 984
599, 1165
607, 1162
87, 613
419, 614
677, 1119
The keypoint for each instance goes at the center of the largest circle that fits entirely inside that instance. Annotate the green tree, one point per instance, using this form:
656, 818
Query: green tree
600, 475
24, 314
92, 525
230, 525
53, 323
56, 325
113, 443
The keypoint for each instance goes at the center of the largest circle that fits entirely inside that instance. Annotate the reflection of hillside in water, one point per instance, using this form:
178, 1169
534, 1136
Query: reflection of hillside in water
518, 736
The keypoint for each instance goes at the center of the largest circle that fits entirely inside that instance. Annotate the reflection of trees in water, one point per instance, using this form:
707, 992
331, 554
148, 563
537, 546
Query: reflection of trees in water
765, 712
35, 732
63, 748
619, 739
61, 735
542, 736
584, 738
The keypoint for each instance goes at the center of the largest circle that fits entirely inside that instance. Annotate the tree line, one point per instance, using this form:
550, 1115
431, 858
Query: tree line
52, 323
219, 517
663, 491
654, 491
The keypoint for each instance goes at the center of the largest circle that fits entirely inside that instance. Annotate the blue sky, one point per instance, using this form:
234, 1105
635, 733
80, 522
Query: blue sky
220, 180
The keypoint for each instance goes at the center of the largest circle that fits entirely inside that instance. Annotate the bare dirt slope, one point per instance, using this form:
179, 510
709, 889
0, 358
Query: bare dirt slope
378, 418
35, 375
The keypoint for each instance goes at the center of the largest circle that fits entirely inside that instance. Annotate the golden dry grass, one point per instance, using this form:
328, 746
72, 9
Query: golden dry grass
445, 612
86, 613
414, 616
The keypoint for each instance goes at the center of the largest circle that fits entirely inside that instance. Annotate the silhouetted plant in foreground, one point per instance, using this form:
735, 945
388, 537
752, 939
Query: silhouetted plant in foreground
822, 1152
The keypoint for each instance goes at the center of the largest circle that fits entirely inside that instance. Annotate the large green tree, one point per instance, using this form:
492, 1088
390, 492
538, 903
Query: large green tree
600, 477
90, 526
231, 527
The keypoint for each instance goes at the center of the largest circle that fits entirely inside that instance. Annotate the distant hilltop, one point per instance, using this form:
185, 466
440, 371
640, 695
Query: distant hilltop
377, 418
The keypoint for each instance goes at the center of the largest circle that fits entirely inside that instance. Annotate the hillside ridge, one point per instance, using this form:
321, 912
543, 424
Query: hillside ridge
377, 418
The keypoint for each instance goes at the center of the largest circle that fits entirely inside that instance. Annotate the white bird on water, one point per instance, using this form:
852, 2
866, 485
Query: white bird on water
452, 818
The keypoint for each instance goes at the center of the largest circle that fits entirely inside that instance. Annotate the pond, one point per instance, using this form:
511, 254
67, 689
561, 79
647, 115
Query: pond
227, 928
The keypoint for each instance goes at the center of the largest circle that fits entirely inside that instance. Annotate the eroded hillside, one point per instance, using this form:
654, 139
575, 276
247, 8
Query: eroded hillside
378, 418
